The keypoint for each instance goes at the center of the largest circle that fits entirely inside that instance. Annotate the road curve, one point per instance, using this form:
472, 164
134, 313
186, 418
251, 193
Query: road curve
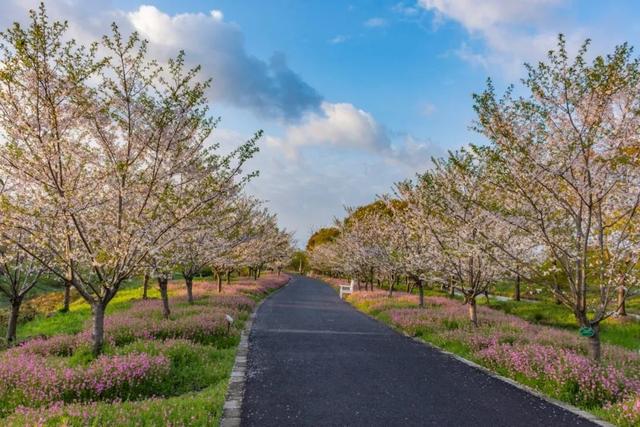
314, 360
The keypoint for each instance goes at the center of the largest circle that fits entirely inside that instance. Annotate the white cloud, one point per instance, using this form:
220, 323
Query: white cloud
309, 192
375, 23
403, 9
339, 39
217, 15
338, 125
342, 126
483, 15
270, 88
512, 31
427, 109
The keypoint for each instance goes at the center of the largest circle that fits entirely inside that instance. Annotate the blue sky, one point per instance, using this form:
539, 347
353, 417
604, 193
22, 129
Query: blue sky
352, 95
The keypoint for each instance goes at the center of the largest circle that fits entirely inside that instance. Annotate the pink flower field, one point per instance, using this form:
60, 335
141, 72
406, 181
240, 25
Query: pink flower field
46, 380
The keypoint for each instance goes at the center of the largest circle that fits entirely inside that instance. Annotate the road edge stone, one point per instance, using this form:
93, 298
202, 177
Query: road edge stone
232, 408
567, 407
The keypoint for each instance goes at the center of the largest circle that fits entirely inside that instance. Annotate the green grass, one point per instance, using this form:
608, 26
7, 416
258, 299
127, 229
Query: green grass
203, 408
622, 332
45, 285
542, 293
192, 394
79, 314
625, 333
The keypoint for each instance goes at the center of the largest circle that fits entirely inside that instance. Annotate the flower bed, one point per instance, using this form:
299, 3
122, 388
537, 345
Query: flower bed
32, 380
147, 359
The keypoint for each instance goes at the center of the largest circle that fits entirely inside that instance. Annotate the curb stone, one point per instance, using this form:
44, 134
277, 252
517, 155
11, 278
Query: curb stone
567, 407
232, 408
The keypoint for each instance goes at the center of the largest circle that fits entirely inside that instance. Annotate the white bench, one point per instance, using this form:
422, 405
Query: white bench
347, 289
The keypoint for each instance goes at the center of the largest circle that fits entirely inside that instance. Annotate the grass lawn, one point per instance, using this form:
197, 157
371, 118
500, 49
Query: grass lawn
79, 314
188, 384
622, 332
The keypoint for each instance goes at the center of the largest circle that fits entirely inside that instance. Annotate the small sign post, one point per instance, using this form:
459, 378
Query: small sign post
587, 331
229, 322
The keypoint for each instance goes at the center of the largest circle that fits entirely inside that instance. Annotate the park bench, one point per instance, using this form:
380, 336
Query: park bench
347, 289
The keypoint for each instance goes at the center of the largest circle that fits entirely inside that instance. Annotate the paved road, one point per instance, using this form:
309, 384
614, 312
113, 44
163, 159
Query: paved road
316, 361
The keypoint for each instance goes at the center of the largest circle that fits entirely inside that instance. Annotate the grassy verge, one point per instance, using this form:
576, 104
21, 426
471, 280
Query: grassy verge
622, 331
154, 371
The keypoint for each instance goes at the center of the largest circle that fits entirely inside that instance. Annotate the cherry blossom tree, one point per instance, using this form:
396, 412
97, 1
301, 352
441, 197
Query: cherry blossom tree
566, 168
256, 249
226, 236
413, 240
359, 251
326, 258
19, 271
445, 202
104, 150
19, 274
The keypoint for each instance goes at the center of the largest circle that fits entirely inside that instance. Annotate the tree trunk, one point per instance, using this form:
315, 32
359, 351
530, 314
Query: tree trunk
279, 270
67, 296
13, 321
622, 309
407, 284
98, 327
594, 343
410, 287
421, 290
452, 289
228, 277
189, 282
145, 286
473, 311
162, 284
516, 296
219, 282
392, 284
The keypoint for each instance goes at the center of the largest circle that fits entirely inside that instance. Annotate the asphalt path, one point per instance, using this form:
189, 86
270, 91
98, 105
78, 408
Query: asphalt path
316, 361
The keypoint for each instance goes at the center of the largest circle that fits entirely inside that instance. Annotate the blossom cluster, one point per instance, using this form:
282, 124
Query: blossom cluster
28, 379
196, 323
627, 412
581, 380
